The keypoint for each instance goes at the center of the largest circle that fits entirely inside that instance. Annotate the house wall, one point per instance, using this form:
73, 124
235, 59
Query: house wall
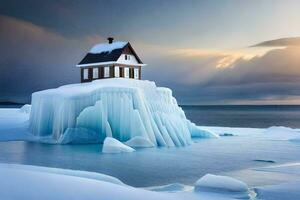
132, 60
131, 73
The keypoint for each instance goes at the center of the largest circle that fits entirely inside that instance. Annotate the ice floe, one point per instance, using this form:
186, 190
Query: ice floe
111, 145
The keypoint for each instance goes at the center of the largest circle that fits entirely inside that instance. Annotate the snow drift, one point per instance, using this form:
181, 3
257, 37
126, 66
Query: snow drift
223, 185
119, 108
26, 182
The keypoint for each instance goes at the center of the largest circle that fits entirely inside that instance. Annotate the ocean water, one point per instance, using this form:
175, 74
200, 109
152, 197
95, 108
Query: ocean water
253, 116
159, 166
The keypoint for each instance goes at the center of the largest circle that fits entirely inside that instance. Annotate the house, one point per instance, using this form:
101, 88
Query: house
110, 60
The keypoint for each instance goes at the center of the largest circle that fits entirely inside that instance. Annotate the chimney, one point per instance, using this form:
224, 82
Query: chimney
110, 40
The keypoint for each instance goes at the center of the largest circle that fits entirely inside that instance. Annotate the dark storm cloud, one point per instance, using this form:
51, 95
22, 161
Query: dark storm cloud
43, 42
34, 58
129, 20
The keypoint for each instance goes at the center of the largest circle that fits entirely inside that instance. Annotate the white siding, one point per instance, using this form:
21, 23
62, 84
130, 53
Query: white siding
130, 60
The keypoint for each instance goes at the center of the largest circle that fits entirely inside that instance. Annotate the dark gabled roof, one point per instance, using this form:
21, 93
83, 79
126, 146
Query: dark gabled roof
108, 56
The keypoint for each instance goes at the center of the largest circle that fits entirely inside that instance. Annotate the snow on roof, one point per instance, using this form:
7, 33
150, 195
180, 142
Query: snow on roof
106, 47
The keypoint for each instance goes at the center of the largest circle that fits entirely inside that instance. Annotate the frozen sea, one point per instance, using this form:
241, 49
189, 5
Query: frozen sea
234, 156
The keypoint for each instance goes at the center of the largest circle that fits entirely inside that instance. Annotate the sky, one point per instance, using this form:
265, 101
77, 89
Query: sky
206, 51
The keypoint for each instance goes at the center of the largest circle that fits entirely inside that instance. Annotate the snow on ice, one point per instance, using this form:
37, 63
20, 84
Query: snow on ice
118, 108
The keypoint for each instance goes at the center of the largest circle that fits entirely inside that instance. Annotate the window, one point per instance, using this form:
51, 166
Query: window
127, 57
106, 72
117, 71
95, 73
126, 72
85, 74
136, 73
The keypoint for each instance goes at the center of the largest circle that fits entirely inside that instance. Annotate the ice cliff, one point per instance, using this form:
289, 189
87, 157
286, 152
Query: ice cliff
118, 108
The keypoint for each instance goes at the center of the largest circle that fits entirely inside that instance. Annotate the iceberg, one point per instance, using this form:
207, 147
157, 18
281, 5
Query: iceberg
117, 107
111, 145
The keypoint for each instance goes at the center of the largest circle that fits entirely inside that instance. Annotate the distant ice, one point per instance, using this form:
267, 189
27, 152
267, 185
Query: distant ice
111, 145
282, 133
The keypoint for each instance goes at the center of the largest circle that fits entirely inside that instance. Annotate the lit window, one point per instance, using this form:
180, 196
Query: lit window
126, 72
85, 74
117, 71
106, 72
136, 73
95, 73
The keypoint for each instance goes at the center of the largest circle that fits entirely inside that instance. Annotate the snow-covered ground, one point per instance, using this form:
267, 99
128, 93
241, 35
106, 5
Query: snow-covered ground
266, 160
30, 182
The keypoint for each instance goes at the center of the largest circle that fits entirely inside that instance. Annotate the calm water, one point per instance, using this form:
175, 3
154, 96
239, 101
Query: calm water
245, 116
157, 166
148, 167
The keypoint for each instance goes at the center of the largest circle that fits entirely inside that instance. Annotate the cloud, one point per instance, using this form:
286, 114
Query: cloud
34, 58
282, 42
257, 75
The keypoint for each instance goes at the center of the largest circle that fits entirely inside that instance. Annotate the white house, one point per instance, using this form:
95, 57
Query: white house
109, 60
